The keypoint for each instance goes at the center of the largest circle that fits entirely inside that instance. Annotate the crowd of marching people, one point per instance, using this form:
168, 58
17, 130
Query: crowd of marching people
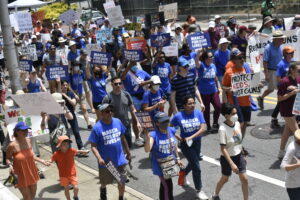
177, 92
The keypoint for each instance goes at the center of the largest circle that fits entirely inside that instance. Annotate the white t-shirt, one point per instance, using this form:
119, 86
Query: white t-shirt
231, 137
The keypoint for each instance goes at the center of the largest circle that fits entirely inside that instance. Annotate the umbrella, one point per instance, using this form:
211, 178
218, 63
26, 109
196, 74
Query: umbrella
27, 3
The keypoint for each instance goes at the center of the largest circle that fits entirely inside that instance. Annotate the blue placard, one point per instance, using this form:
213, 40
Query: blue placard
198, 40
57, 71
100, 58
133, 55
160, 40
104, 36
25, 65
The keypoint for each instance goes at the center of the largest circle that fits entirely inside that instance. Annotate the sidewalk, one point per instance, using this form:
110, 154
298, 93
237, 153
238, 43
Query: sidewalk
49, 188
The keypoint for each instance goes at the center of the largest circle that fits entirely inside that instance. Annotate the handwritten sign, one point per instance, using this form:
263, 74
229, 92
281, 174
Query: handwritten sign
25, 65
245, 84
100, 58
136, 43
120, 178
145, 120
198, 40
133, 55
24, 22
115, 16
92, 47
57, 71
172, 50
160, 40
12, 114
104, 36
68, 17
170, 10
29, 51
109, 4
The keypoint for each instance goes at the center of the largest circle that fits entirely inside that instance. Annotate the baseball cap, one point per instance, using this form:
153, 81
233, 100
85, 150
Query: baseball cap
61, 139
71, 43
235, 52
103, 106
297, 18
33, 37
243, 28
217, 16
211, 24
288, 49
183, 63
223, 40
83, 52
155, 80
161, 117
21, 126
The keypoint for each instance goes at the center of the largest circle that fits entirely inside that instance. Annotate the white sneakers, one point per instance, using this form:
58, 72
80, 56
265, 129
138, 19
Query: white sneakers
281, 154
139, 142
201, 195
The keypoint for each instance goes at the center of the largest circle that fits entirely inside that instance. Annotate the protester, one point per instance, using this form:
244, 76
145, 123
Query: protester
214, 36
232, 26
231, 151
287, 90
240, 41
107, 139
296, 22
188, 56
34, 84
192, 126
266, 8
268, 27
284, 64
161, 144
221, 57
220, 27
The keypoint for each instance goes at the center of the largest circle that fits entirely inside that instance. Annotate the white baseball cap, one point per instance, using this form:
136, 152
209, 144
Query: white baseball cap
71, 43
217, 16
223, 40
211, 24
155, 80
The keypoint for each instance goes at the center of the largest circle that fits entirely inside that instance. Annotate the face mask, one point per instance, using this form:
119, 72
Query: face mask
164, 125
76, 68
234, 118
134, 68
155, 87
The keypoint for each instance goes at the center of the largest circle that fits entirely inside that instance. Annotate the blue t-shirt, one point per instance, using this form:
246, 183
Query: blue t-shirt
76, 83
191, 60
108, 140
189, 124
221, 59
207, 78
98, 87
272, 55
34, 87
152, 99
163, 71
131, 86
39, 50
73, 55
282, 68
161, 148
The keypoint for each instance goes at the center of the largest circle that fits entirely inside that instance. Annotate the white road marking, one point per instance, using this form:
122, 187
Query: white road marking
6, 194
216, 162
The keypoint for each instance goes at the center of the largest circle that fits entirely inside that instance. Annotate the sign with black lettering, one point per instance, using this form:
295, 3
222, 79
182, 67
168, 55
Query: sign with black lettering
57, 71
245, 84
120, 178
145, 120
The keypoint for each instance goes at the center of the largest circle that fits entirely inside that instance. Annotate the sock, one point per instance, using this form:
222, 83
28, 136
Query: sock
103, 194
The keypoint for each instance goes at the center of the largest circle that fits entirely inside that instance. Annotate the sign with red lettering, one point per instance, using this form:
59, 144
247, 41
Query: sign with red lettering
136, 43
245, 84
145, 120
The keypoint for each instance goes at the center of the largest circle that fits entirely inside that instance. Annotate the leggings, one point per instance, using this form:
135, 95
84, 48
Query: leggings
166, 189
294, 193
275, 111
213, 99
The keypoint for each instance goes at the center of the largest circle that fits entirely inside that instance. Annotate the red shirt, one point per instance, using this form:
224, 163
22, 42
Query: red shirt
65, 162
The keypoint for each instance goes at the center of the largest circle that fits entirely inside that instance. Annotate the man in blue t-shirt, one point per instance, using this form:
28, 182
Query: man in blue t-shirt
221, 57
107, 139
284, 64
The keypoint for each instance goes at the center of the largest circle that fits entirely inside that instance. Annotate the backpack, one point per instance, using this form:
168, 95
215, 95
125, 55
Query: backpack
60, 130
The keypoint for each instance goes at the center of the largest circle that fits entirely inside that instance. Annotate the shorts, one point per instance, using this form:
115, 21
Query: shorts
272, 83
238, 160
86, 86
2, 96
96, 104
81, 98
65, 181
107, 178
244, 113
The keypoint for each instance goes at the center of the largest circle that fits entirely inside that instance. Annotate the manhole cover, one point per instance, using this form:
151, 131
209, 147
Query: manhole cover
264, 131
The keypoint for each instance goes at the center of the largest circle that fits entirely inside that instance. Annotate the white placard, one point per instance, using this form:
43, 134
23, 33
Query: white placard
245, 84
13, 22
24, 22
115, 16
171, 50
170, 10
68, 17
288, 23
109, 4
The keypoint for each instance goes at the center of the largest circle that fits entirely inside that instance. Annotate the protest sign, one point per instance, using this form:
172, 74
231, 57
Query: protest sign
115, 16
109, 4
293, 39
160, 40
57, 71
24, 22
100, 21
152, 19
171, 50
120, 178
104, 36
12, 114
145, 120
68, 17
133, 26
288, 22
45, 37
198, 40
136, 43
245, 84
170, 10
92, 47
25, 65
133, 55
296, 107
100, 58
29, 51
35, 103
13, 22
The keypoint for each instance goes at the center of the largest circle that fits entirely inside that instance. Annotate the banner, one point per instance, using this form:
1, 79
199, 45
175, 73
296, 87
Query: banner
29, 51
198, 40
104, 36
170, 10
136, 43
145, 120
160, 40
68, 17
115, 16
24, 22
133, 55
296, 107
100, 58
245, 84
57, 71
288, 23
25, 65
172, 50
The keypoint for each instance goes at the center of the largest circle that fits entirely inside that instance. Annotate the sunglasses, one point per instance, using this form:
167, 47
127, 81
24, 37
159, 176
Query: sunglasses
116, 84
292, 53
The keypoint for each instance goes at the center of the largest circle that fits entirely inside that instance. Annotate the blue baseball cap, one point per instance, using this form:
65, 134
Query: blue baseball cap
21, 126
183, 63
161, 117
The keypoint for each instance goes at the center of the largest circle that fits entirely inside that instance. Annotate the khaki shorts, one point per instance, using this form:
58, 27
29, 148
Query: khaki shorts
86, 87
107, 178
272, 84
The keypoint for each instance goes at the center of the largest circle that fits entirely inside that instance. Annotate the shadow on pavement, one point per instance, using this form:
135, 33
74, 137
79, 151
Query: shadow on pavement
50, 189
275, 165
265, 113
144, 163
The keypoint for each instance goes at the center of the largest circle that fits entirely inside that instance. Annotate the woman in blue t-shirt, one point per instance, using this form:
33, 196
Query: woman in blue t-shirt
192, 125
162, 144
208, 88
34, 84
221, 57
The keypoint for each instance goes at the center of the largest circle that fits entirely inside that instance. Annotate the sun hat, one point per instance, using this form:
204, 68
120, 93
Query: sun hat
223, 40
267, 20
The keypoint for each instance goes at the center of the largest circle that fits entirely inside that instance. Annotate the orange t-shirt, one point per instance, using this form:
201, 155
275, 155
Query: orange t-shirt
231, 70
65, 162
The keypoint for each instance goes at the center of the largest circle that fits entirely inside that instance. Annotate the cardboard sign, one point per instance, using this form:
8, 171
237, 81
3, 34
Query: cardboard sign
160, 40
29, 51
13, 22
35, 103
109, 4
100, 58
296, 107
12, 114
170, 10
198, 40
120, 178
115, 16
288, 23
104, 36
145, 120
245, 84
92, 47
136, 43
133, 55
57, 71
172, 50
25, 65
24, 22
68, 17
45, 37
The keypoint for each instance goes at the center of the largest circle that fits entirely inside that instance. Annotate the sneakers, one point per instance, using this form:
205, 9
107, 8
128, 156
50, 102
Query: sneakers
281, 154
75, 198
139, 142
275, 124
260, 102
201, 195
215, 197
215, 128
186, 183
